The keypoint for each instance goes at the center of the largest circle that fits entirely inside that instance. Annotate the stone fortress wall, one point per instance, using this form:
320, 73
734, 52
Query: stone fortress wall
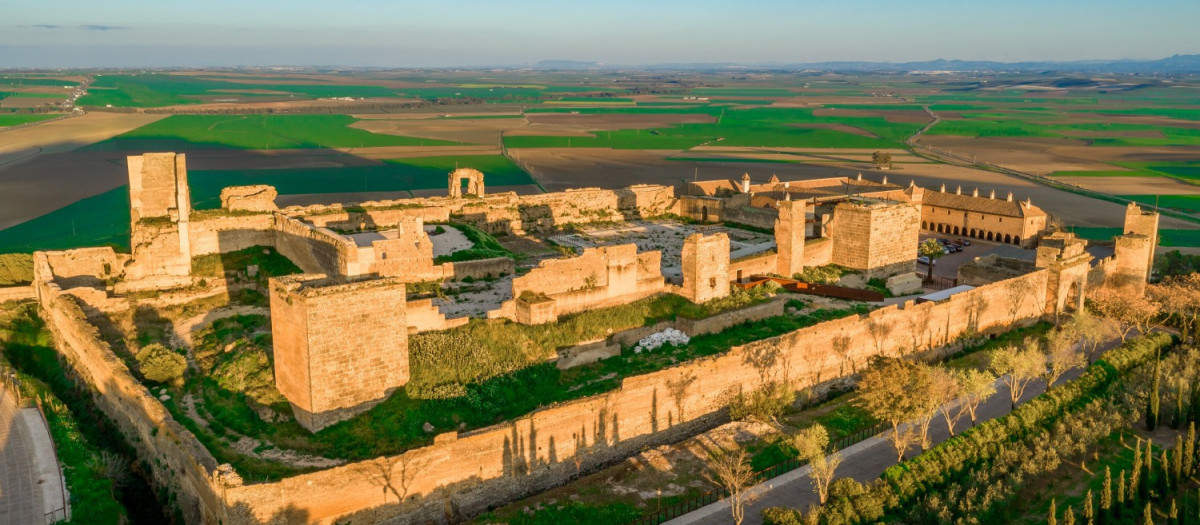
462, 474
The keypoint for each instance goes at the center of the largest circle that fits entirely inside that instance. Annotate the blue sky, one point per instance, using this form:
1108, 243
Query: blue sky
78, 33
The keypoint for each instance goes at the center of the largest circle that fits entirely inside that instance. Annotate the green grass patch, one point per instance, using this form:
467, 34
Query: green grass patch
257, 132
16, 269
1166, 237
484, 246
17, 119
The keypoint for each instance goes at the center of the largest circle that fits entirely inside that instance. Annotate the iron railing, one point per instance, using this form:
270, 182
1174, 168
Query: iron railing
708, 498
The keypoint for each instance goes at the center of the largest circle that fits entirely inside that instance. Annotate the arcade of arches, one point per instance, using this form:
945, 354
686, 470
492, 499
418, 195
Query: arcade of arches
972, 233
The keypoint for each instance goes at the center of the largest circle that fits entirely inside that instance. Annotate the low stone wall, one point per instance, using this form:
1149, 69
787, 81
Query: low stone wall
423, 316
723, 320
757, 264
586, 353
482, 268
211, 232
750, 216
16, 293
315, 249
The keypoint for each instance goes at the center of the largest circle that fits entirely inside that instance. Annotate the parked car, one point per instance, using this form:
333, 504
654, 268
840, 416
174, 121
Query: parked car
963, 242
925, 260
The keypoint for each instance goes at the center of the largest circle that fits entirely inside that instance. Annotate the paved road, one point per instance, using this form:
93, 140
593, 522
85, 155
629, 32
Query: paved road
864, 461
29, 477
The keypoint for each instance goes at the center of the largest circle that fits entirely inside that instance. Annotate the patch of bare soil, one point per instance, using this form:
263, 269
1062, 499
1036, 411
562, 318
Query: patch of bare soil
253, 105
601, 122
474, 131
401, 152
1133, 185
1089, 134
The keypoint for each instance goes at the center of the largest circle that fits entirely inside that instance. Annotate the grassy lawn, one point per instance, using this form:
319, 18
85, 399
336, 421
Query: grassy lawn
13, 119
256, 132
95, 221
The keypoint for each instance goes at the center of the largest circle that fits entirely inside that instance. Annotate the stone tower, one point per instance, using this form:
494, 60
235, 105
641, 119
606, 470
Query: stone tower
1142, 222
160, 204
705, 267
789, 238
878, 238
340, 348
1068, 262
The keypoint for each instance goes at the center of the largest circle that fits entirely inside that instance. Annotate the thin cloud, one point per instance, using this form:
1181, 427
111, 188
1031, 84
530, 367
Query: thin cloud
86, 27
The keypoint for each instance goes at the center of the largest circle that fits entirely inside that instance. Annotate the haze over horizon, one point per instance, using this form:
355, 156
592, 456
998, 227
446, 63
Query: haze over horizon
145, 33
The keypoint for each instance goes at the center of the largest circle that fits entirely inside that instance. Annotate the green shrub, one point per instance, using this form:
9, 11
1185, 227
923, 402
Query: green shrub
765, 404
828, 274
160, 364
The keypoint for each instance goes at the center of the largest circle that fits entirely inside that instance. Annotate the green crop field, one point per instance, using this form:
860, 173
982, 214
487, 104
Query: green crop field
1184, 203
255, 132
15, 94
157, 90
16, 119
8, 80
1166, 237
104, 219
770, 127
1105, 173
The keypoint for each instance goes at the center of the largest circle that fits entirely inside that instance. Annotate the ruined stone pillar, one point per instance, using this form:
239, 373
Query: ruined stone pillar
789, 238
705, 261
1143, 222
160, 205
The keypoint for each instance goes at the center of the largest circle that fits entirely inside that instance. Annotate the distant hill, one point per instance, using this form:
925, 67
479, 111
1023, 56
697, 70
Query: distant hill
1171, 65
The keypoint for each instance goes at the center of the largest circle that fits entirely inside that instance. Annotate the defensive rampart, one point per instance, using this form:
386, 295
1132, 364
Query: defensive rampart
462, 474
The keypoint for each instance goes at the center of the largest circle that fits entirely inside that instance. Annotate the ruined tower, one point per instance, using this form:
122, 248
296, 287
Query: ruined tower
705, 267
1068, 262
1145, 223
160, 204
340, 348
789, 238
474, 182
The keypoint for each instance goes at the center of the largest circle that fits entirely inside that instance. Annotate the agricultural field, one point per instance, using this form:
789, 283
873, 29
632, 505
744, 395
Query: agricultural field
1136, 140
15, 119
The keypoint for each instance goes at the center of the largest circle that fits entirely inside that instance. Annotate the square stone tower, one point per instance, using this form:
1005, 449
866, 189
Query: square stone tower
789, 238
159, 206
1143, 222
340, 348
705, 267
878, 238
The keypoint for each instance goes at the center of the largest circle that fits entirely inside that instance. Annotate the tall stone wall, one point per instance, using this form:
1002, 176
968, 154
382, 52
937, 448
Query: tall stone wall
876, 238
315, 249
463, 474
218, 233
705, 261
173, 457
757, 264
340, 348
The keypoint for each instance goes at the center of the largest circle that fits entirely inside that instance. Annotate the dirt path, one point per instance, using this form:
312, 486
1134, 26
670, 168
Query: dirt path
182, 335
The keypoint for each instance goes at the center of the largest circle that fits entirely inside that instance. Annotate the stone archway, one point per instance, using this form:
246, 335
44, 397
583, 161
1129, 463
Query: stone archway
972, 234
1074, 298
956, 230
1007, 239
704, 214
989, 236
924, 225
474, 182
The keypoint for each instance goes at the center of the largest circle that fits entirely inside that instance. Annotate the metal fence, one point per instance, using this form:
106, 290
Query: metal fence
941, 283
708, 498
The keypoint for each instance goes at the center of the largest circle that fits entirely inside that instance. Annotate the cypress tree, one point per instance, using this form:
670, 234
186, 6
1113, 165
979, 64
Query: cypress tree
1177, 419
1120, 493
1136, 474
1164, 478
1173, 516
1147, 519
1177, 461
1106, 494
1089, 512
1050, 520
1189, 449
1152, 403
1069, 517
